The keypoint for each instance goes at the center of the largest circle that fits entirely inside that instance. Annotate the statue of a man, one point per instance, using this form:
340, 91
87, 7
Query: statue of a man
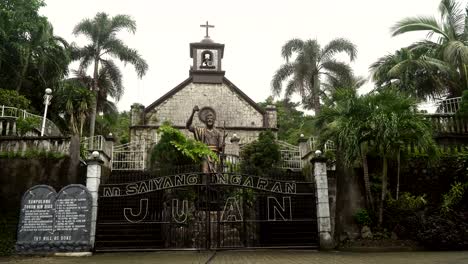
208, 135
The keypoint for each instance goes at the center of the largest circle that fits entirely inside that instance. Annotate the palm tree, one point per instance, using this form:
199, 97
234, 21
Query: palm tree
394, 124
452, 38
102, 31
333, 84
72, 100
414, 70
384, 122
345, 122
310, 64
107, 87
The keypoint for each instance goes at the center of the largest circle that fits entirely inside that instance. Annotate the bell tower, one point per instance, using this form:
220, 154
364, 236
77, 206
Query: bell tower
207, 57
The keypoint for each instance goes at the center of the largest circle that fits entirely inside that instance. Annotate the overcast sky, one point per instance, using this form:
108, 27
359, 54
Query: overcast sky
252, 31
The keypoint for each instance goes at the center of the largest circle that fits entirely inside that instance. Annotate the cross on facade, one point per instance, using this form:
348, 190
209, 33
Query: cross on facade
207, 26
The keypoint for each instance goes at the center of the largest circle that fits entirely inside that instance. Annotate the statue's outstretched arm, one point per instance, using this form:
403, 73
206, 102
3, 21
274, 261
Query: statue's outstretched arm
190, 120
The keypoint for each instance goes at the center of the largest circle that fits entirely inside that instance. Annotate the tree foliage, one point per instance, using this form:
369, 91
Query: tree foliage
117, 124
32, 58
385, 122
311, 62
103, 47
13, 99
174, 149
71, 106
28, 124
444, 58
414, 71
260, 156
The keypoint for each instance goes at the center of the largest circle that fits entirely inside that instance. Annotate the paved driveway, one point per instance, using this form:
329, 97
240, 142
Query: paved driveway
258, 256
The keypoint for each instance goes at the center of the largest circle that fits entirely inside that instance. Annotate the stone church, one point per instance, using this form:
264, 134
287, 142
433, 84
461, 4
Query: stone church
206, 86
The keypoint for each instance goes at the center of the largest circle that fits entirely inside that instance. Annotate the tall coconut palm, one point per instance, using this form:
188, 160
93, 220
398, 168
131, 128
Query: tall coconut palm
416, 71
102, 32
451, 43
311, 62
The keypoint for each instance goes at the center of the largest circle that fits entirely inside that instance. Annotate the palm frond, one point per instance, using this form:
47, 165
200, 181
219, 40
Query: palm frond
117, 48
114, 74
281, 75
290, 47
339, 45
293, 86
87, 28
120, 22
418, 24
454, 16
338, 68
310, 55
456, 53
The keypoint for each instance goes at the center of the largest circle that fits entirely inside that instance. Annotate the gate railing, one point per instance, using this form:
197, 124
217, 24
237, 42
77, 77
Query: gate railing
98, 143
290, 156
448, 106
313, 144
448, 124
291, 159
196, 210
130, 156
7, 112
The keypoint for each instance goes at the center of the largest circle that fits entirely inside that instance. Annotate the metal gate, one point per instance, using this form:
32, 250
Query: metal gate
138, 211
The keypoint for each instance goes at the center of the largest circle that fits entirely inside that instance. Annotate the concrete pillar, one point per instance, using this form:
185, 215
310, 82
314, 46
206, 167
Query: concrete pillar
136, 114
271, 117
93, 180
323, 207
14, 128
303, 146
7, 128
109, 149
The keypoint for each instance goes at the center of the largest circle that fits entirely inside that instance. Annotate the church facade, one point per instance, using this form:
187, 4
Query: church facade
241, 117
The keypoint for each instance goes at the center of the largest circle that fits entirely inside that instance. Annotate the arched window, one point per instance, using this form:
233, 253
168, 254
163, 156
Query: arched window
207, 60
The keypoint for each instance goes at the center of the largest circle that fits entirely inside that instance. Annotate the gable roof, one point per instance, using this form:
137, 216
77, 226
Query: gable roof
189, 80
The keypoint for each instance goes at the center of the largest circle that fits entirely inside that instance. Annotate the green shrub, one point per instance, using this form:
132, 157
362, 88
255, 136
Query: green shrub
260, 156
363, 218
441, 233
407, 202
463, 111
175, 149
401, 214
13, 99
25, 125
453, 197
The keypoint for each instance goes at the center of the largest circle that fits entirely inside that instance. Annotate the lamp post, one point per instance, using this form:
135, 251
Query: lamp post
47, 99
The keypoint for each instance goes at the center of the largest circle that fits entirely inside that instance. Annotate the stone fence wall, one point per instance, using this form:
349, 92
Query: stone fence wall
22, 145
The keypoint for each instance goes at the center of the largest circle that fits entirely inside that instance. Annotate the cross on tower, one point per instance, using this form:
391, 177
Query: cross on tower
207, 26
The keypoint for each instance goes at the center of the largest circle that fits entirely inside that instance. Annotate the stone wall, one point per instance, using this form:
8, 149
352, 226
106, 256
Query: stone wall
19, 174
233, 111
350, 199
229, 107
22, 145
